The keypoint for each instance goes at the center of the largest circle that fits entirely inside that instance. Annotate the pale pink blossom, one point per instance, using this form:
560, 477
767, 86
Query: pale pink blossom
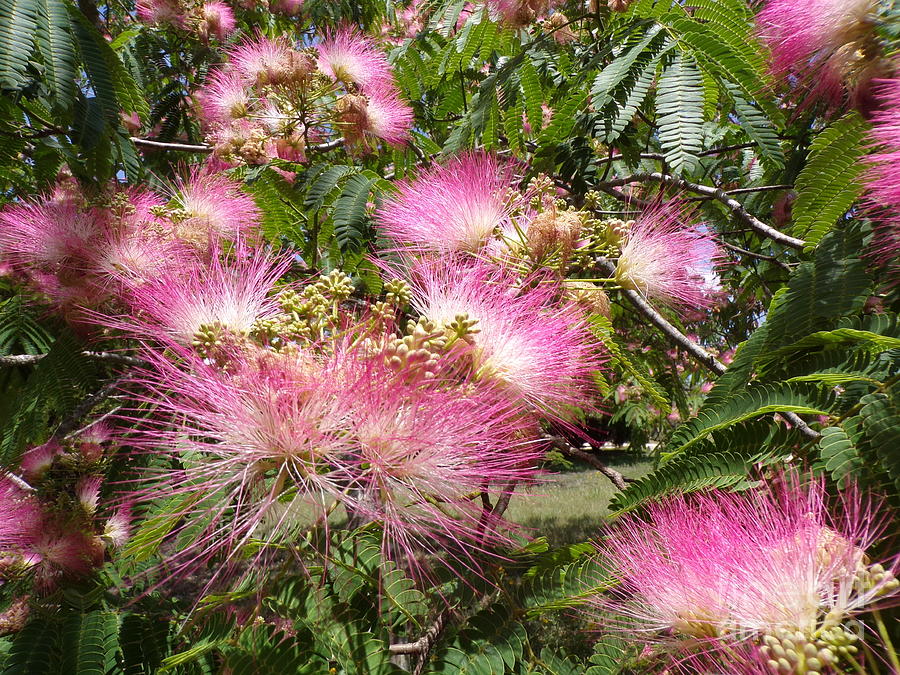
816, 40
229, 293
266, 443
117, 528
424, 448
456, 206
160, 12
224, 97
387, 115
352, 58
47, 233
539, 348
217, 19
211, 207
668, 259
723, 567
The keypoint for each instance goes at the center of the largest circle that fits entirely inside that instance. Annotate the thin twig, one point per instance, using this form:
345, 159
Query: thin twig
715, 193
112, 357
87, 405
187, 147
768, 258
420, 645
658, 320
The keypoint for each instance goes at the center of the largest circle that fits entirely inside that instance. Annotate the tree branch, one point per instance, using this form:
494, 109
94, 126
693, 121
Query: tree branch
714, 193
700, 355
567, 448
187, 147
30, 359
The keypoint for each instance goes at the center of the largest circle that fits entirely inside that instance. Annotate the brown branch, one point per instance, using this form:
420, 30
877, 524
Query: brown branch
714, 193
90, 402
570, 450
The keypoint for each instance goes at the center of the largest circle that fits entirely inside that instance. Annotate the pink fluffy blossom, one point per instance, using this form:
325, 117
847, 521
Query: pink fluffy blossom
723, 568
21, 516
456, 206
353, 58
212, 206
882, 178
425, 447
164, 12
268, 62
217, 19
522, 337
814, 39
264, 429
47, 233
228, 294
387, 116
667, 259
224, 97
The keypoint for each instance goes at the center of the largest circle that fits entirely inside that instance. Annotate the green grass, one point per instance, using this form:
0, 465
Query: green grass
570, 507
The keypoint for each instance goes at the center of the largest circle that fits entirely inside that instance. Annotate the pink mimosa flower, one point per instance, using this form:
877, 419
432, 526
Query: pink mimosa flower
882, 178
261, 61
224, 294
87, 491
212, 206
117, 529
353, 58
217, 20
814, 39
426, 442
387, 116
764, 565
47, 233
456, 206
21, 516
264, 429
160, 12
667, 259
540, 349
64, 554
224, 97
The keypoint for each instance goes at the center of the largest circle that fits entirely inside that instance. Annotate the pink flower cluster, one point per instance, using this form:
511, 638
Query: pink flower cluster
749, 574
882, 178
213, 18
90, 252
828, 45
52, 541
273, 100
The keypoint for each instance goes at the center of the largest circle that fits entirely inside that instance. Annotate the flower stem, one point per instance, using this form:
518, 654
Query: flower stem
885, 636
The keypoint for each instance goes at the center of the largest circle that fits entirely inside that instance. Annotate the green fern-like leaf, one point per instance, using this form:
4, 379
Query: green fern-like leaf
820, 292
35, 650
747, 404
57, 45
829, 182
18, 28
688, 473
679, 109
90, 643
